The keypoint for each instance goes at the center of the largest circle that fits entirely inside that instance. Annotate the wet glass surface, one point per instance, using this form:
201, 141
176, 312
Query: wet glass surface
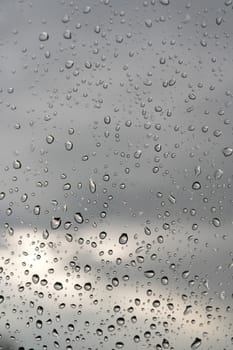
116, 174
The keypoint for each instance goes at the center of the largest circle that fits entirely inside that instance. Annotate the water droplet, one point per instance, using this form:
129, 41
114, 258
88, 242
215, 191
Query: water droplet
36, 210
155, 169
69, 64
147, 231
172, 199
35, 278
70, 327
77, 286
68, 145
45, 234
123, 239
88, 64
137, 154
196, 185
87, 10
185, 274
195, 345
55, 223
24, 197
148, 23
164, 280
17, 164
227, 151
44, 36
102, 235
164, 2
66, 18
216, 222
92, 186
39, 324
67, 34
136, 338
228, 2
107, 119
87, 286
2, 195
218, 174
58, 286
78, 218
149, 273
219, 20
156, 303
197, 170
69, 237
115, 282
49, 139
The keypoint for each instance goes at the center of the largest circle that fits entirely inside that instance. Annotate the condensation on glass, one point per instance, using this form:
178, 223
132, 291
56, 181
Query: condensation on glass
116, 174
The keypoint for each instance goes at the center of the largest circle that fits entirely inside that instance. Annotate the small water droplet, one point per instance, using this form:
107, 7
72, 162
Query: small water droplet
45, 234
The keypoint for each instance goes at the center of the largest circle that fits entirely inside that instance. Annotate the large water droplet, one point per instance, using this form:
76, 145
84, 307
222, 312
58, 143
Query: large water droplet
44, 36
35, 278
123, 239
196, 185
92, 186
58, 286
17, 164
216, 222
195, 345
78, 218
218, 174
55, 223
164, 2
227, 151
156, 303
149, 273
